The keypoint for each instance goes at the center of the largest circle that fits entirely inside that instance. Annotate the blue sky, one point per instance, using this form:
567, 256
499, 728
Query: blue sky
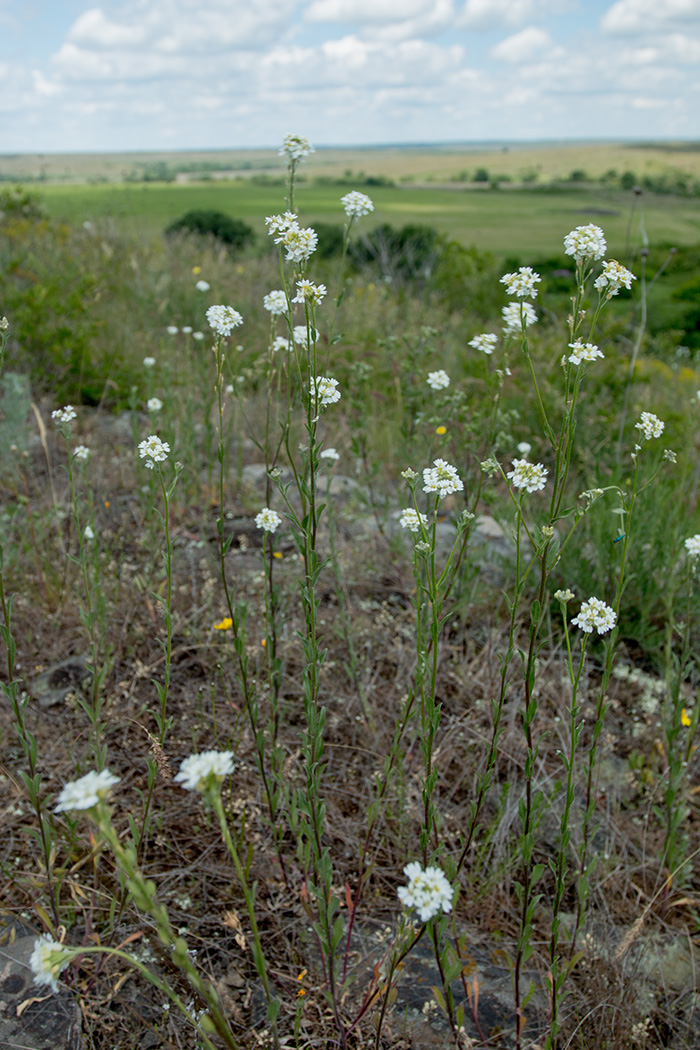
186, 74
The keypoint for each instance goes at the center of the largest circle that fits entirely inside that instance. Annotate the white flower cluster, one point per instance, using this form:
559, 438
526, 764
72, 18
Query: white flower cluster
595, 615
356, 204
276, 302
154, 404
485, 342
279, 343
172, 329
585, 242
4, 324
613, 277
300, 335
410, 519
522, 283
153, 450
267, 519
307, 292
64, 415
86, 792
438, 380
518, 315
428, 891
205, 770
295, 147
323, 390
223, 319
298, 242
81, 452
442, 478
528, 476
47, 960
583, 352
149, 362
202, 286
650, 425
564, 595
692, 545
329, 453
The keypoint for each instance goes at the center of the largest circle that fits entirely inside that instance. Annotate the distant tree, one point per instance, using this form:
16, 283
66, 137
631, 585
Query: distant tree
232, 232
481, 175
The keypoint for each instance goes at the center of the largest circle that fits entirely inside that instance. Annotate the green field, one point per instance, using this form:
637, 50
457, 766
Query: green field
527, 223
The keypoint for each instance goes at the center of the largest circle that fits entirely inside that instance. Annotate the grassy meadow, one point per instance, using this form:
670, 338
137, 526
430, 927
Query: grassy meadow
349, 604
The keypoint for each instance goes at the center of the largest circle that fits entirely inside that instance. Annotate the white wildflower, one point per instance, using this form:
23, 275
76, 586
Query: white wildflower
486, 342
356, 204
172, 329
595, 615
613, 277
47, 960
295, 147
438, 380
583, 352
154, 404
442, 478
277, 225
267, 519
223, 319
564, 596
410, 519
299, 243
152, 449
86, 792
524, 448
202, 286
198, 336
329, 453
149, 362
585, 242
88, 532
64, 415
323, 390
186, 329
516, 315
205, 770
309, 292
522, 283
280, 342
692, 545
528, 476
276, 302
650, 425
300, 335
81, 452
428, 891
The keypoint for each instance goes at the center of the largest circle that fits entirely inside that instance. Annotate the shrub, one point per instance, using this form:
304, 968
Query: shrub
233, 232
406, 254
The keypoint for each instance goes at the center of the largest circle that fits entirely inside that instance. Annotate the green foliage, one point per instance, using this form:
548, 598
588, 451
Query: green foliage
233, 232
18, 203
330, 240
406, 254
468, 277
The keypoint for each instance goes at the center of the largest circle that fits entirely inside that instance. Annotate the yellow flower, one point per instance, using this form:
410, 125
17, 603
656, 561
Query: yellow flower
440, 430
196, 270
685, 718
277, 554
224, 625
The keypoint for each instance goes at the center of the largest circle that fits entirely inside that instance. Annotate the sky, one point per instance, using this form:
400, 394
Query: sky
227, 74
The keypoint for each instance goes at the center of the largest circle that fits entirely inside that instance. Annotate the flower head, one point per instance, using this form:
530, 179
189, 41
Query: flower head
149, 362
280, 342
442, 478
299, 243
205, 770
486, 342
410, 519
329, 453
89, 532
202, 286
277, 225
186, 329
564, 596
595, 615
267, 519
528, 476
583, 352
47, 960
295, 147
64, 415
692, 545
613, 277
276, 302
198, 336
223, 319
585, 242
154, 404
81, 452
323, 390
522, 283
86, 792
4, 324
650, 425
438, 380
172, 329
152, 449
518, 315
524, 448
428, 891
307, 292
224, 625
300, 335
356, 204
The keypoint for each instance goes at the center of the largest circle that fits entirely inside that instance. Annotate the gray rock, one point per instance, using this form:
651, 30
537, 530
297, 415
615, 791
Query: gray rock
53, 685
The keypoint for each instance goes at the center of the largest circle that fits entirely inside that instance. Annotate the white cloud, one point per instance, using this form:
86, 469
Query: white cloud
94, 29
523, 46
644, 16
495, 14
366, 10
